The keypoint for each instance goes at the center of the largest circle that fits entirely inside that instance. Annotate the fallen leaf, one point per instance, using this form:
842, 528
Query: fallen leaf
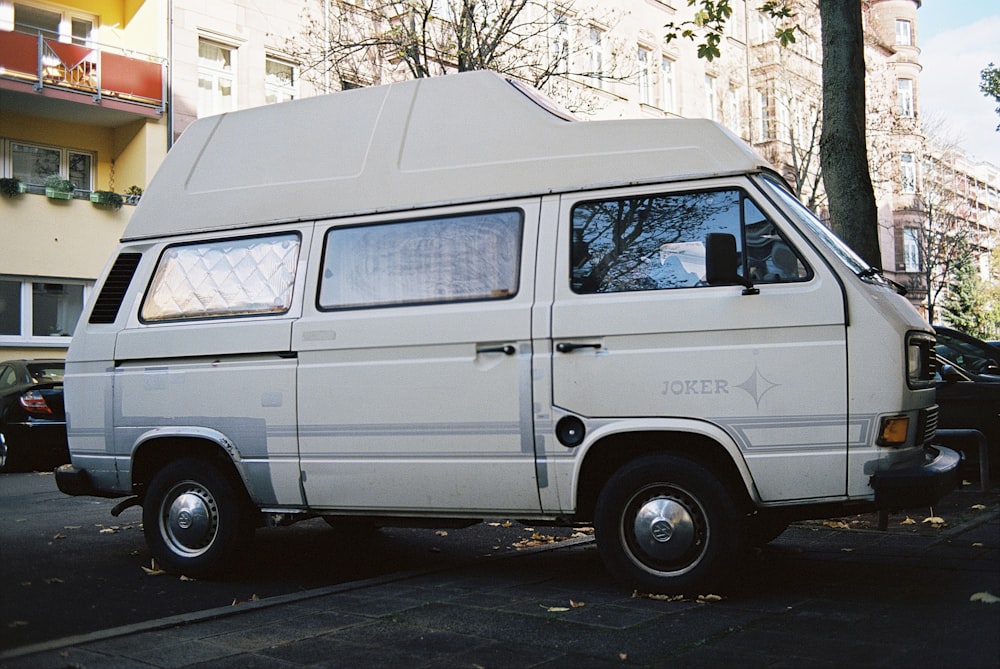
554, 609
17, 623
109, 530
846, 550
58, 536
72, 527
53, 580
585, 530
985, 598
622, 656
153, 569
187, 578
709, 598
935, 521
507, 523
254, 598
576, 605
977, 544
838, 524
441, 533
908, 521
978, 507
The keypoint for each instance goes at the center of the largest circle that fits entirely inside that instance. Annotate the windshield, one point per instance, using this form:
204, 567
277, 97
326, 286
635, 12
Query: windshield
832, 241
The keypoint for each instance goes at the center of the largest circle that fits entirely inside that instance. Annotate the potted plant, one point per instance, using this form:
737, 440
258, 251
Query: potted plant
58, 188
107, 198
132, 194
11, 186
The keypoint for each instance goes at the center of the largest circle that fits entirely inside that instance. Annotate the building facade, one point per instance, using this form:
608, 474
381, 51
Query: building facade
97, 90
82, 99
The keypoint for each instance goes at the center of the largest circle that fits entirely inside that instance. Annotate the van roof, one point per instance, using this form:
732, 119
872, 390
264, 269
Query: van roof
460, 138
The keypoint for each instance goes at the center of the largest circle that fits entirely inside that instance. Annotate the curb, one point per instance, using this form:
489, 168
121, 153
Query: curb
195, 617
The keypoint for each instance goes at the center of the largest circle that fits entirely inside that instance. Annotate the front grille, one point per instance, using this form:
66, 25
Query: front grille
928, 424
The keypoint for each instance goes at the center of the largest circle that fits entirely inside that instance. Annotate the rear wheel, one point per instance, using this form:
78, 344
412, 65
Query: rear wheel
665, 524
196, 519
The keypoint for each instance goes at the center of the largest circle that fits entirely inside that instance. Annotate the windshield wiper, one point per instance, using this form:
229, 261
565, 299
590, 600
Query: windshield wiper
872, 272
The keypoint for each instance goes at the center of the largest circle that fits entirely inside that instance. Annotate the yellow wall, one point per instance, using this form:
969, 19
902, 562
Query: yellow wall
69, 239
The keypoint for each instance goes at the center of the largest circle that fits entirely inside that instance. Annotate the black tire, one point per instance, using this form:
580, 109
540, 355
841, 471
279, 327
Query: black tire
196, 519
666, 525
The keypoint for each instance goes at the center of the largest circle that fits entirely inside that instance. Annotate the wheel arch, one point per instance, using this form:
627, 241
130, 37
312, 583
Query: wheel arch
609, 452
157, 448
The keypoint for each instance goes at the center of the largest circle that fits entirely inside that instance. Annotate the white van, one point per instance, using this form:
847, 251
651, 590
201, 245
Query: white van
445, 300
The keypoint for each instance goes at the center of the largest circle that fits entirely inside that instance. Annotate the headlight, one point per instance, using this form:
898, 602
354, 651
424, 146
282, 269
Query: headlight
920, 360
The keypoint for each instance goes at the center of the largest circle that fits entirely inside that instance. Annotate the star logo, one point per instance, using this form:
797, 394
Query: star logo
757, 386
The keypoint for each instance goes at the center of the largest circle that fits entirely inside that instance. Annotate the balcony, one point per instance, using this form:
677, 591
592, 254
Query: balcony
40, 76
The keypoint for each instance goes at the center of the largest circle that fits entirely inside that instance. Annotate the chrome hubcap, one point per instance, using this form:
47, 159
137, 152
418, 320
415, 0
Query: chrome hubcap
190, 519
664, 529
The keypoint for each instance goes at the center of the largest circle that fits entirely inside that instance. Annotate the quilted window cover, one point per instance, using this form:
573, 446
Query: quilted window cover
235, 277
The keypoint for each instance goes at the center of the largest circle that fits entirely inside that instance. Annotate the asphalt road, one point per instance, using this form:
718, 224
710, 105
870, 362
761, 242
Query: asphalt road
67, 566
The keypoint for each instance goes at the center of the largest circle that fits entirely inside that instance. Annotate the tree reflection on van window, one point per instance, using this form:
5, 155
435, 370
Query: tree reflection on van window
655, 242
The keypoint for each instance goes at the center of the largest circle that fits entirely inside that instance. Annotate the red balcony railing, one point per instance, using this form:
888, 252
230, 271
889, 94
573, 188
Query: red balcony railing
46, 62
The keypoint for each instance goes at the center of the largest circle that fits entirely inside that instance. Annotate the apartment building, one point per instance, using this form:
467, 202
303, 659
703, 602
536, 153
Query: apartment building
82, 99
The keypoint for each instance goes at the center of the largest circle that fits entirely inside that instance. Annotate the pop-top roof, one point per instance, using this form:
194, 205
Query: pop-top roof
461, 138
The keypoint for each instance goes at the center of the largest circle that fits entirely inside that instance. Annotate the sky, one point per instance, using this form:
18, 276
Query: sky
957, 39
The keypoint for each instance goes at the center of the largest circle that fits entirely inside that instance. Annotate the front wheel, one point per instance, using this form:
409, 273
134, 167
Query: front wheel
665, 524
195, 519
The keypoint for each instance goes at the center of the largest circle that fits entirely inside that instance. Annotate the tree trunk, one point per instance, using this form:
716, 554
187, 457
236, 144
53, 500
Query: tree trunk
843, 150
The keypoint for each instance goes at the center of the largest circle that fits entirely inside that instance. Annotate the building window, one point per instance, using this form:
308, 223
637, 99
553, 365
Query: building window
645, 58
595, 56
711, 99
63, 26
763, 110
907, 173
911, 250
39, 312
280, 81
216, 76
560, 45
904, 95
904, 35
667, 98
32, 164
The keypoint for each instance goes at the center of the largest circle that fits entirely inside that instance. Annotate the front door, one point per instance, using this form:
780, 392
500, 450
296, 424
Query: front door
637, 332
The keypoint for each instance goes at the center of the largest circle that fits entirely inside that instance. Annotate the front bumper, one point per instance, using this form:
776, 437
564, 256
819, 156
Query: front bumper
77, 482
923, 485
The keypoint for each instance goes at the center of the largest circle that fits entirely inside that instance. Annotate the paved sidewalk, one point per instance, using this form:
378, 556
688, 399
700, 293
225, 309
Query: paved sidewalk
818, 597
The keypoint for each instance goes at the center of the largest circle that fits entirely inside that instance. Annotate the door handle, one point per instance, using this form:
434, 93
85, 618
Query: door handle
569, 346
506, 349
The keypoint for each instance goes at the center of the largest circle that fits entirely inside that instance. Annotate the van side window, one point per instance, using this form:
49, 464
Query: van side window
448, 259
232, 277
654, 242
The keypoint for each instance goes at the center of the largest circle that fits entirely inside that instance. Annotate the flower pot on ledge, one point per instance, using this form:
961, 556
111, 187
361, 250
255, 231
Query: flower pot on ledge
58, 188
106, 198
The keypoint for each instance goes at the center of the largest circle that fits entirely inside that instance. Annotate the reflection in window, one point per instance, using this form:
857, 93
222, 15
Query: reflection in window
10, 308
458, 258
55, 308
33, 309
658, 242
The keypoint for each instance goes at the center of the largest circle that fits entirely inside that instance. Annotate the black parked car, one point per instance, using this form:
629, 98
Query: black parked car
32, 415
971, 354
970, 401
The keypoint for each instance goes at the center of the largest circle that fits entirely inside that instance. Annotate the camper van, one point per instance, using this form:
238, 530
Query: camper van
446, 300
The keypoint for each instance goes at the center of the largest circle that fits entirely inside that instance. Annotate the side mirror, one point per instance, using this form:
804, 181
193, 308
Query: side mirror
950, 375
722, 263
